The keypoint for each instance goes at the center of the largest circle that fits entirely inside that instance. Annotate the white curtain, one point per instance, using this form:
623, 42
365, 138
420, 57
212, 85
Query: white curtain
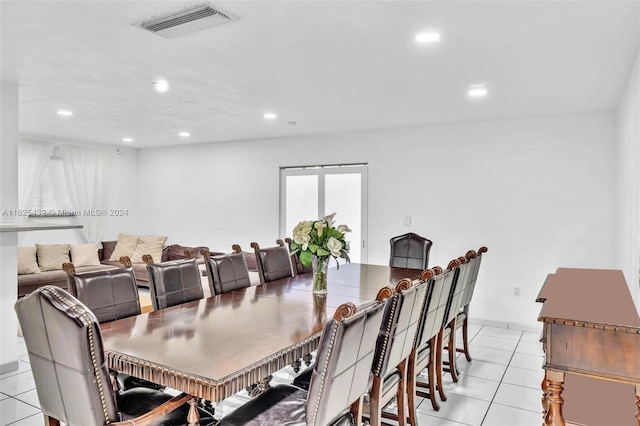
88, 173
33, 159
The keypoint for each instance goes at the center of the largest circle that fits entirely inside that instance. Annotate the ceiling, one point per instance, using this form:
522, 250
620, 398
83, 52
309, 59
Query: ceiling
328, 66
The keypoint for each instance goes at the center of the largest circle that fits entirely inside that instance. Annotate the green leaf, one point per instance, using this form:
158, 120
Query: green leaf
305, 257
313, 248
322, 252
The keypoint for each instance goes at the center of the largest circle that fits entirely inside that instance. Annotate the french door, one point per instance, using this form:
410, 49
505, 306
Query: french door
313, 192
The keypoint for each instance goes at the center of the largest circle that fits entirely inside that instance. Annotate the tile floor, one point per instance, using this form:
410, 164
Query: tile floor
500, 387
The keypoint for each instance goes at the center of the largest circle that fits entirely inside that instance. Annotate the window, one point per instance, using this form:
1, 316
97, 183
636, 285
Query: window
53, 199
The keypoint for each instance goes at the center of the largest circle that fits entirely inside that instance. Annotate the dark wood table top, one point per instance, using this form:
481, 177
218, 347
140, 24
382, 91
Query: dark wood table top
215, 347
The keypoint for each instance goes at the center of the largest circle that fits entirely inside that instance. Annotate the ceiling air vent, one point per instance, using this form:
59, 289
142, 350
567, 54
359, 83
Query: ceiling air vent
184, 21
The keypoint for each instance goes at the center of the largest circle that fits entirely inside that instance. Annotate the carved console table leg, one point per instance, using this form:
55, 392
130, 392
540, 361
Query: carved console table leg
554, 416
545, 392
263, 385
193, 418
638, 403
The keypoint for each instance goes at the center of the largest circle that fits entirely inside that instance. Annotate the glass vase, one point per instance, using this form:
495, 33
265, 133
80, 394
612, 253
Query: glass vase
320, 266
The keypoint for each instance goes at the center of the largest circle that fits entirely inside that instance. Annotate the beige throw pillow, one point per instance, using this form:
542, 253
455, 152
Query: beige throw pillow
27, 262
125, 246
52, 256
149, 245
84, 255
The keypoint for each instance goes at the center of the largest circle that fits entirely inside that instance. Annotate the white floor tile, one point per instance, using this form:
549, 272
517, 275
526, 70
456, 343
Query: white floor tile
472, 387
3, 396
35, 420
505, 333
481, 369
29, 397
531, 362
22, 368
501, 415
425, 419
12, 410
495, 356
531, 348
518, 397
523, 377
22, 348
17, 384
528, 336
505, 344
468, 411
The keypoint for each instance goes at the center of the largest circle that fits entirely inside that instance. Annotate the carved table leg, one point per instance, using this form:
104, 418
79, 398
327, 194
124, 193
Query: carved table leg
638, 403
554, 416
545, 392
193, 418
262, 386
307, 359
296, 365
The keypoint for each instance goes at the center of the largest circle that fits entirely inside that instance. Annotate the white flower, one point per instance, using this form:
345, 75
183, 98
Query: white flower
302, 240
320, 226
334, 246
343, 228
329, 219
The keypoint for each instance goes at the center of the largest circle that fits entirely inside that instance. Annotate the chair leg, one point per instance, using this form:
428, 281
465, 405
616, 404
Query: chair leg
451, 348
411, 387
356, 412
438, 365
431, 369
50, 421
400, 395
375, 410
465, 339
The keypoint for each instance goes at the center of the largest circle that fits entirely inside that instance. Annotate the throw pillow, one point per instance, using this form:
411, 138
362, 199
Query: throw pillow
148, 245
84, 255
27, 262
176, 252
52, 256
107, 249
125, 246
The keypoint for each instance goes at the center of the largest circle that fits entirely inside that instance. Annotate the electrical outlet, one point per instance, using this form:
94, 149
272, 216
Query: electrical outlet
516, 291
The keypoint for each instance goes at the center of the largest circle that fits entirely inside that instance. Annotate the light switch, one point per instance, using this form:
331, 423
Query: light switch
407, 221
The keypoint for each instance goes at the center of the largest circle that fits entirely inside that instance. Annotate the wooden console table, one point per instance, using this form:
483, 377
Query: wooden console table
591, 329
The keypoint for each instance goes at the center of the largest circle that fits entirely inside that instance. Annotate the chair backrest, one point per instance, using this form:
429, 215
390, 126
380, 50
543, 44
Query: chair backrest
227, 272
433, 313
343, 361
298, 267
110, 294
67, 358
410, 251
174, 282
456, 292
273, 263
399, 325
473, 259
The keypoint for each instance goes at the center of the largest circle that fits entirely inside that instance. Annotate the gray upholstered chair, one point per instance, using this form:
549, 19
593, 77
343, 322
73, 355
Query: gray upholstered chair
410, 251
110, 294
393, 347
174, 282
298, 267
423, 355
462, 319
65, 349
273, 263
339, 378
226, 272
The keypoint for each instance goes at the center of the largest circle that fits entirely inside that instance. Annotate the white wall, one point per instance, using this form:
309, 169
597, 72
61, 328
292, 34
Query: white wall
123, 196
539, 193
628, 159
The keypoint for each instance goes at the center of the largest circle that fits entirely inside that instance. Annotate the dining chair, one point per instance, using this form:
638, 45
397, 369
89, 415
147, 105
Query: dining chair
339, 377
65, 350
298, 267
393, 347
273, 263
425, 346
173, 282
462, 319
410, 251
226, 273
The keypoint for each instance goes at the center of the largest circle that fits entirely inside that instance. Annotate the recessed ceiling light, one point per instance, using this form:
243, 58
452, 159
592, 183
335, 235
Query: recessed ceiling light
161, 85
184, 134
127, 140
65, 112
477, 91
270, 116
428, 37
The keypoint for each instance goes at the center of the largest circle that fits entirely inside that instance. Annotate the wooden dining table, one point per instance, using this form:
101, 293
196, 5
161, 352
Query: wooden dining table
214, 347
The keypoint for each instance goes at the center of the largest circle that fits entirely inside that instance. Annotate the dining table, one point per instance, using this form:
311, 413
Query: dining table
215, 347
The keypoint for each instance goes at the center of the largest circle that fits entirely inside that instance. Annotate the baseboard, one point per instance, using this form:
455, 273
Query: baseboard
9, 366
504, 324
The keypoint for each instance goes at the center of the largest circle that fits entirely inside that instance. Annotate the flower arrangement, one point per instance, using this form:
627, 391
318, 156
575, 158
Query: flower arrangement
315, 242
319, 238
